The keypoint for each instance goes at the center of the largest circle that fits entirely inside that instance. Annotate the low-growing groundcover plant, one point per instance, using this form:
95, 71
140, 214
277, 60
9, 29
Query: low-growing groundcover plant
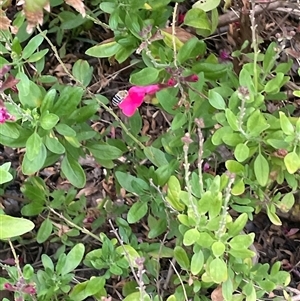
172, 225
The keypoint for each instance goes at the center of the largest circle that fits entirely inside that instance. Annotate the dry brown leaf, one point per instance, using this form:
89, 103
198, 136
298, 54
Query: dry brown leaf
217, 295
78, 5
4, 21
62, 229
180, 33
33, 11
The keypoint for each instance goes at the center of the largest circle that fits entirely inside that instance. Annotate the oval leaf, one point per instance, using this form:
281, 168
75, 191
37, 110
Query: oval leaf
136, 212
292, 162
144, 77
73, 259
216, 100
14, 226
44, 231
73, 171
182, 258
218, 270
261, 170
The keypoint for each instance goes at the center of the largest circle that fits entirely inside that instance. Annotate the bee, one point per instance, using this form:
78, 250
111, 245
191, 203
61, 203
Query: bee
119, 97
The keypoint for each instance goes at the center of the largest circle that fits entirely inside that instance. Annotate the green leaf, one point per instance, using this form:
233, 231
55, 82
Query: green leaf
238, 225
218, 248
205, 240
87, 288
136, 212
84, 113
32, 46
273, 216
48, 121
261, 170
129, 253
234, 167
33, 146
135, 123
227, 290
239, 187
29, 167
182, 258
104, 50
242, 241
273, 86
256, 123
206, 5
13, 226
129, 182
197, 262
286, 125
9, 130
179, 120
104, 151
83, 72
186, 50
37, 56
65, 130
168, 100
73, 171
250, 292
241, 152
156, 156
292, 162
54, 145
144, 77
69, 99
137, 296
231, 119
44, 231
270, 58
73, 259
287, 202
212, 71
190, 237
48, 101
174, 190
218, 270
5, 175
157, 229
197, 18
216, 100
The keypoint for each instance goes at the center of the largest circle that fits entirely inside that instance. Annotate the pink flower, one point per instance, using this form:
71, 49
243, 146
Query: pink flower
9, 287
29, 289
191, 78
224, 56
136, 95
180, 18
4, 115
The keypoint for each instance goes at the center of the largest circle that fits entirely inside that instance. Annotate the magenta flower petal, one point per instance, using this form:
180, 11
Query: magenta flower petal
130, 104
135, 98
4, 115
151, 89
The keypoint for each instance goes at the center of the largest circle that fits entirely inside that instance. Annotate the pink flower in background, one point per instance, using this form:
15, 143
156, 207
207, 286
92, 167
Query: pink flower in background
180, 19
4, 115
191, 78
224, 56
